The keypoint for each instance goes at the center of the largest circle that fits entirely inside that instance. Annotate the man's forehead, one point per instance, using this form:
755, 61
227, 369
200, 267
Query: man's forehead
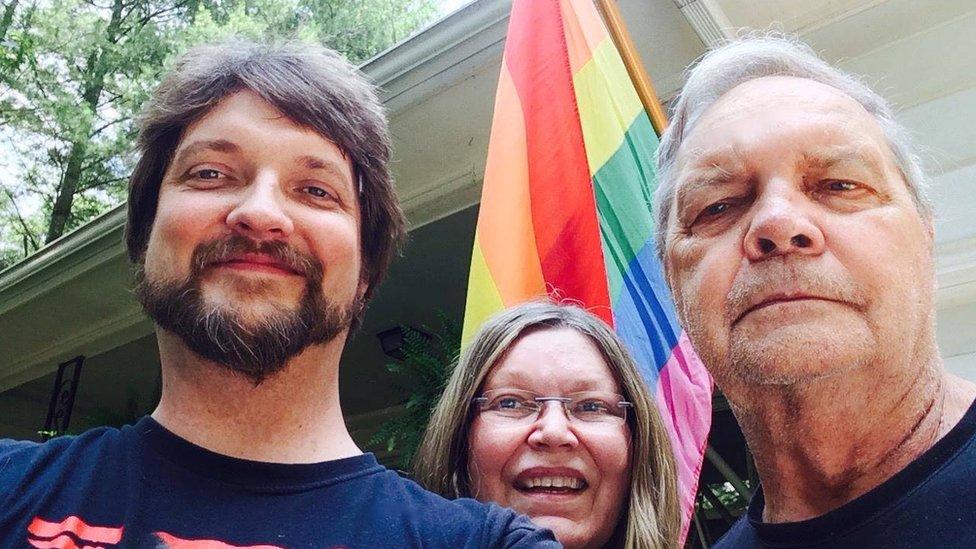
245, 110
770, 104
769, 91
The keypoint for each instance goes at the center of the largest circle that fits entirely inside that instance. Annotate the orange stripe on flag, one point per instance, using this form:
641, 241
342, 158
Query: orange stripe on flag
505, 230
583, 30
564, 217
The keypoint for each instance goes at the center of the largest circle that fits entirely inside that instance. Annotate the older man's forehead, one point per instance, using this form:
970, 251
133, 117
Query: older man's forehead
768, 94
775, 88
728, 126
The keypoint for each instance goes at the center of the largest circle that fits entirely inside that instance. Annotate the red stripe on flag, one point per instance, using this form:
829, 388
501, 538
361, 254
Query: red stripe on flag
564, 214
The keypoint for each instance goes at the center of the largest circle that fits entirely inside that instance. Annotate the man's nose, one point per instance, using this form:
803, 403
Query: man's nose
552, 429
260, 211
781, 224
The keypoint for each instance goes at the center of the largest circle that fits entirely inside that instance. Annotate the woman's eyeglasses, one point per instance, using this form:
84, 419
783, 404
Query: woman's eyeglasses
516, 406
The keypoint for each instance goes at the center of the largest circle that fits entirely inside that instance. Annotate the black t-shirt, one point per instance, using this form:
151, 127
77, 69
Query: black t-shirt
143, 486
929, 503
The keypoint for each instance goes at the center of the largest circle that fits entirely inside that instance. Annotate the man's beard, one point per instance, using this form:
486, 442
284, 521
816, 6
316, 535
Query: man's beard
219, 333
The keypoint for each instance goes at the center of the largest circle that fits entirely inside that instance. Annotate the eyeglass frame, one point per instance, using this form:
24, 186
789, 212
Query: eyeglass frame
565, 400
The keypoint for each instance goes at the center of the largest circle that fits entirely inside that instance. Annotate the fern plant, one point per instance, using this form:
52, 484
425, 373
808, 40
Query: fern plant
428, 359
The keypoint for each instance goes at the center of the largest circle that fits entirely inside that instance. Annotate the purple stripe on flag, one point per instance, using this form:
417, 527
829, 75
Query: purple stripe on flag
684, 388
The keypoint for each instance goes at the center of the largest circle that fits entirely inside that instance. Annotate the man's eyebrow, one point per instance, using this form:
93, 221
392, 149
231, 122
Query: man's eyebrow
832, 156
709, 170
217, 145
310, 162
315, 163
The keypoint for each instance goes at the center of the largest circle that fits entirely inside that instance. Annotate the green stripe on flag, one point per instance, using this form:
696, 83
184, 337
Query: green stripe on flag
607, 103
624, 187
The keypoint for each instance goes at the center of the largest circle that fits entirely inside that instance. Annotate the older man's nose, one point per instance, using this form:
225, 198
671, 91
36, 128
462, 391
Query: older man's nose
260, 212
552, 429
780, 227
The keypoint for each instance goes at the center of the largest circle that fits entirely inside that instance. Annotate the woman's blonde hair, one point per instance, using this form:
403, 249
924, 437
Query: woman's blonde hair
652, 517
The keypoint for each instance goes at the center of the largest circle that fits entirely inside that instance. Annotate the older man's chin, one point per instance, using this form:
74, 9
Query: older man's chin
796, 353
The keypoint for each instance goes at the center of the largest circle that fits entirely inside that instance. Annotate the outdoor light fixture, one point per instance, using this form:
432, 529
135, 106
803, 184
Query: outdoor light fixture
392, 340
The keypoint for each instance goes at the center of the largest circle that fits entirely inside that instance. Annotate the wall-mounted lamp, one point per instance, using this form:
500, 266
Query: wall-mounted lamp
392, 340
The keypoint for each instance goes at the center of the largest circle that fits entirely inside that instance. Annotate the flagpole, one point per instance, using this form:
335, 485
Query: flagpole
635, 68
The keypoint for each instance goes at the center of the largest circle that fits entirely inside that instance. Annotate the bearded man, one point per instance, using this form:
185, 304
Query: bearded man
261, 218
798, 244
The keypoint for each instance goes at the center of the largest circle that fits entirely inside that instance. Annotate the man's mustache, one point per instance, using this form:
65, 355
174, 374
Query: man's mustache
782, 279
225, 249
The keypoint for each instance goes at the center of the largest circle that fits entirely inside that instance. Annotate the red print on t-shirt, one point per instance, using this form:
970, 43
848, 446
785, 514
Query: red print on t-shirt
71, 533
173, 542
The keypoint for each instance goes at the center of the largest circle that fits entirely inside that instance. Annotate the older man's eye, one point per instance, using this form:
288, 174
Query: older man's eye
713, 211
840, 186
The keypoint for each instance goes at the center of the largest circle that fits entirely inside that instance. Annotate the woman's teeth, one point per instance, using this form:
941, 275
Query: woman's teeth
571, 483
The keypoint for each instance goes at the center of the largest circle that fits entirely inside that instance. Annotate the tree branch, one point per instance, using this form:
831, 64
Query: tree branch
23, 223
101, 184
8, 18
103, 127
145, 19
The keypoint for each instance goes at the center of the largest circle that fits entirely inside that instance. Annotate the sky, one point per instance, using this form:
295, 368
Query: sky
447, 6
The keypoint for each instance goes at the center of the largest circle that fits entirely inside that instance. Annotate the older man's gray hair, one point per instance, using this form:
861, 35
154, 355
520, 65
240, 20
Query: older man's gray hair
755, 57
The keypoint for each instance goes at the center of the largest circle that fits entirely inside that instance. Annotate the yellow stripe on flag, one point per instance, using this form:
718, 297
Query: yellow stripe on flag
607, 103
483, 298
505, 267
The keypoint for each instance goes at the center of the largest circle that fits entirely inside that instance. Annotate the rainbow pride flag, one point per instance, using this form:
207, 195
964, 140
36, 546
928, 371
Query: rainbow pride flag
566, 208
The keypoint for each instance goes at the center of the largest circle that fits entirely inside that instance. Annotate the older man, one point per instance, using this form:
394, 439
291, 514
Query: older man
262, 216
798, 244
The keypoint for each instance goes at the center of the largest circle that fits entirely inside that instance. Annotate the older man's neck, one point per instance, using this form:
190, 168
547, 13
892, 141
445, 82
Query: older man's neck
291, 417
825, 443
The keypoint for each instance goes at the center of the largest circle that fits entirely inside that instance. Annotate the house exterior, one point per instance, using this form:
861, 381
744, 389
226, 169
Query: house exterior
72, 298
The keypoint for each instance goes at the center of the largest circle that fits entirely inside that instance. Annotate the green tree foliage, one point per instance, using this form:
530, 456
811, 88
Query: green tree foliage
75, 73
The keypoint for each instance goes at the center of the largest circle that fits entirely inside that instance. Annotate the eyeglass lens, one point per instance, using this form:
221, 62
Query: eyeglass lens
513, 405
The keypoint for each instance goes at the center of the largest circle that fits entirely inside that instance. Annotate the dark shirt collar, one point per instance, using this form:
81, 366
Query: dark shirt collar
861, 510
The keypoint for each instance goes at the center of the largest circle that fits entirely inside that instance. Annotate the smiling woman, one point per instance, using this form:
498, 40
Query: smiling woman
546, 413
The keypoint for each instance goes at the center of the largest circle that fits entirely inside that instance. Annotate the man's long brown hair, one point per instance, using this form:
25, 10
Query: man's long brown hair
314, 87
